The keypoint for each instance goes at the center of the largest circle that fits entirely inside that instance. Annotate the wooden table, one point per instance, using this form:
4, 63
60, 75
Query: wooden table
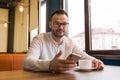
109, 73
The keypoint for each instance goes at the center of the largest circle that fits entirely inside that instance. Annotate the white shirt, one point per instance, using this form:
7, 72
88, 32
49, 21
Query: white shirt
43, 49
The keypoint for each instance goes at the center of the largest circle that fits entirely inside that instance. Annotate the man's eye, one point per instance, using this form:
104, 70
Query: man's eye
64, 23
57, 23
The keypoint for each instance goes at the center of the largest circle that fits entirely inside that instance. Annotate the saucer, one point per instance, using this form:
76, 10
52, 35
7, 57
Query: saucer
80, 69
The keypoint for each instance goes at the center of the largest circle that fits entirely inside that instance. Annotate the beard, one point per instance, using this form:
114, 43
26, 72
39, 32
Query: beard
58, 33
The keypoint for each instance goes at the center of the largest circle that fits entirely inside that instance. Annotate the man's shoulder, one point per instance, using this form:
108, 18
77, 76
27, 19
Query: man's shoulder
42, 35
67, 39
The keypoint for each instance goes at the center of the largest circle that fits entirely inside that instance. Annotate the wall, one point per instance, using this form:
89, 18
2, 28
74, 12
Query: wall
33, 14
3, 30
111, 62
21, 29
25, 22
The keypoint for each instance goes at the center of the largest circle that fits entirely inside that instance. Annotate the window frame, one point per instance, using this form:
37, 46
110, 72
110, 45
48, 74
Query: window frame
111, 54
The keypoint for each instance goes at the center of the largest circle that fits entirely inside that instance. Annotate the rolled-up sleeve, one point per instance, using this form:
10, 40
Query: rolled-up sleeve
79, 51
34, 64
32, 61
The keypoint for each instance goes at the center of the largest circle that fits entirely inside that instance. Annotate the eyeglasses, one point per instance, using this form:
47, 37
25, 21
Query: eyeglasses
57, 24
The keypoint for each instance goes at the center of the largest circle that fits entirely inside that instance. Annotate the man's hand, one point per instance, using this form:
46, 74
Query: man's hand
61, 65
98, 64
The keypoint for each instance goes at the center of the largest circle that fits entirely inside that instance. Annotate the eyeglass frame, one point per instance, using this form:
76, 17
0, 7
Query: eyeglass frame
58, 24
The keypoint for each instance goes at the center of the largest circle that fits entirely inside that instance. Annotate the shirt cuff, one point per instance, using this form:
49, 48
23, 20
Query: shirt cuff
44, 65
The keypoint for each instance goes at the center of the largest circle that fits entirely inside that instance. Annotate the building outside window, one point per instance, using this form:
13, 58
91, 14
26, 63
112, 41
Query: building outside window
95, 25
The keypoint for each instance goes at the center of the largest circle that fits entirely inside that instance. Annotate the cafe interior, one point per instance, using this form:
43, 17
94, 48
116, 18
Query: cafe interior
21, 20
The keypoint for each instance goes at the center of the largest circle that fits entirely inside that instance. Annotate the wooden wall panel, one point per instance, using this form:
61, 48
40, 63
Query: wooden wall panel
21, 29
3, 30
33, 14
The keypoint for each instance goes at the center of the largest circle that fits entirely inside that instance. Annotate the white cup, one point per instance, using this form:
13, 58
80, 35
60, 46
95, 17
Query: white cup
85, 64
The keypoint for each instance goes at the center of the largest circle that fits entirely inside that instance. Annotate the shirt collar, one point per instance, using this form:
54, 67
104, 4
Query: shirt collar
55, 41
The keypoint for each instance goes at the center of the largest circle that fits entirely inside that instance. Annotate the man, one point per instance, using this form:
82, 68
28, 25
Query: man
48, 51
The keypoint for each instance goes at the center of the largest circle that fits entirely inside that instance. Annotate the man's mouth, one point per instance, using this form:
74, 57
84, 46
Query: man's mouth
60, 31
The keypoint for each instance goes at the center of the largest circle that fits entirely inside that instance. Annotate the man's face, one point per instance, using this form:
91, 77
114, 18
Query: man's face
59, 25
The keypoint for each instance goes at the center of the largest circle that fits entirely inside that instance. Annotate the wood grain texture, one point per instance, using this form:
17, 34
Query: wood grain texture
109, 73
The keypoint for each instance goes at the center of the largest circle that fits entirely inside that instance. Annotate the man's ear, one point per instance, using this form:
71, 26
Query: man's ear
50, 24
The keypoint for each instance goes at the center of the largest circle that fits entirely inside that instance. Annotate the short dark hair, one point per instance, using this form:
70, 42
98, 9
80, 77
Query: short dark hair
58, 11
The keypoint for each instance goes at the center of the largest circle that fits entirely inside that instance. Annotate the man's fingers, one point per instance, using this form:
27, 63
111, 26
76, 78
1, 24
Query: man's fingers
58, 54
66, 61
66, 67
98, 64
61, 65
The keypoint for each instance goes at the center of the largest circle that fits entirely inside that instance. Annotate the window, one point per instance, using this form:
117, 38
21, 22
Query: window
105, 24
42, 22
95, 25
102, 27
76, 22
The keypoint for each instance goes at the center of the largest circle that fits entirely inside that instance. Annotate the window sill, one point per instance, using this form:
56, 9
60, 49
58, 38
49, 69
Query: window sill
110, 57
